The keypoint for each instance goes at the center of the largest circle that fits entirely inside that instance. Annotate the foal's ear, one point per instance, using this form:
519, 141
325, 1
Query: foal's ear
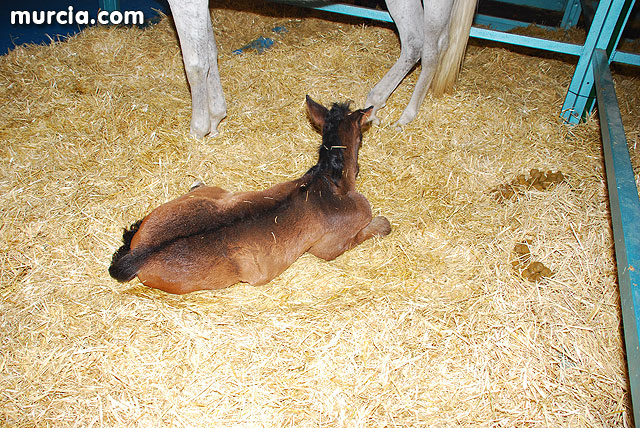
365, 113
317, 113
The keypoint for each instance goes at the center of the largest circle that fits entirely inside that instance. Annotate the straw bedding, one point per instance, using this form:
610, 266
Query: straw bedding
431, 325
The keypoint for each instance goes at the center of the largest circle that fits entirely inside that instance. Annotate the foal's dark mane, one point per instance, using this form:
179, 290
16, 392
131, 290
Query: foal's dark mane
331, 154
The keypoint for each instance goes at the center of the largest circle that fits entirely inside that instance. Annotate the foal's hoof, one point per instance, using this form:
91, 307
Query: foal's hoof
196, 184
380, 226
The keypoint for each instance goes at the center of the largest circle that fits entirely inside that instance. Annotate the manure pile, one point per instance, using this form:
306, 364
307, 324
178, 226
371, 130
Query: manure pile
434, 325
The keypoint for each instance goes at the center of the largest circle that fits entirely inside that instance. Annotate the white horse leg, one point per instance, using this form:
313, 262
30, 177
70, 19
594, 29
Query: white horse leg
217, 103
437, 14
200, 56
407, 15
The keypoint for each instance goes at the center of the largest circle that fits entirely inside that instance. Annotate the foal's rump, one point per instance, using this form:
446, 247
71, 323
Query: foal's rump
192, 232
253, 249
177, 219
189, 215
190, 264
169, 254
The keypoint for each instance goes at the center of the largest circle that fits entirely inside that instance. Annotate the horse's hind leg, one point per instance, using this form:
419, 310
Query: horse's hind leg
407, 15
200, 56
217, 105
436, 38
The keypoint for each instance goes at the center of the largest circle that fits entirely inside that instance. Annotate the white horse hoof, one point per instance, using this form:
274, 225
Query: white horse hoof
398, 126
199, 135
196, 133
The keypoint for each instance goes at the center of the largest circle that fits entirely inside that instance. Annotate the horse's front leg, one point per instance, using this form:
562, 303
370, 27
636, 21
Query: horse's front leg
200, 56
407, 15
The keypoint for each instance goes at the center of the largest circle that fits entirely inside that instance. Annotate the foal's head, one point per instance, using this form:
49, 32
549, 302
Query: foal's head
341, 132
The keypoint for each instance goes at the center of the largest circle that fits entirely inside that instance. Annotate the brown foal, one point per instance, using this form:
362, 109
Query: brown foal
211, 238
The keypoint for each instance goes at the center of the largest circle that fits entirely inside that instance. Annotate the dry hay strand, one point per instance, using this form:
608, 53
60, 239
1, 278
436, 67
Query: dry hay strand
428, 326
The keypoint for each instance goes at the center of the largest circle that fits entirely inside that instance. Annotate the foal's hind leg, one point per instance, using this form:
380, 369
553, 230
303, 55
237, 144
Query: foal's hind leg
407, 15
209, 192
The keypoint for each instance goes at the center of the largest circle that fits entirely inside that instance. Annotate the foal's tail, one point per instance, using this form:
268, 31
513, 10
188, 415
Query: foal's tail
126, 262
451, 59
